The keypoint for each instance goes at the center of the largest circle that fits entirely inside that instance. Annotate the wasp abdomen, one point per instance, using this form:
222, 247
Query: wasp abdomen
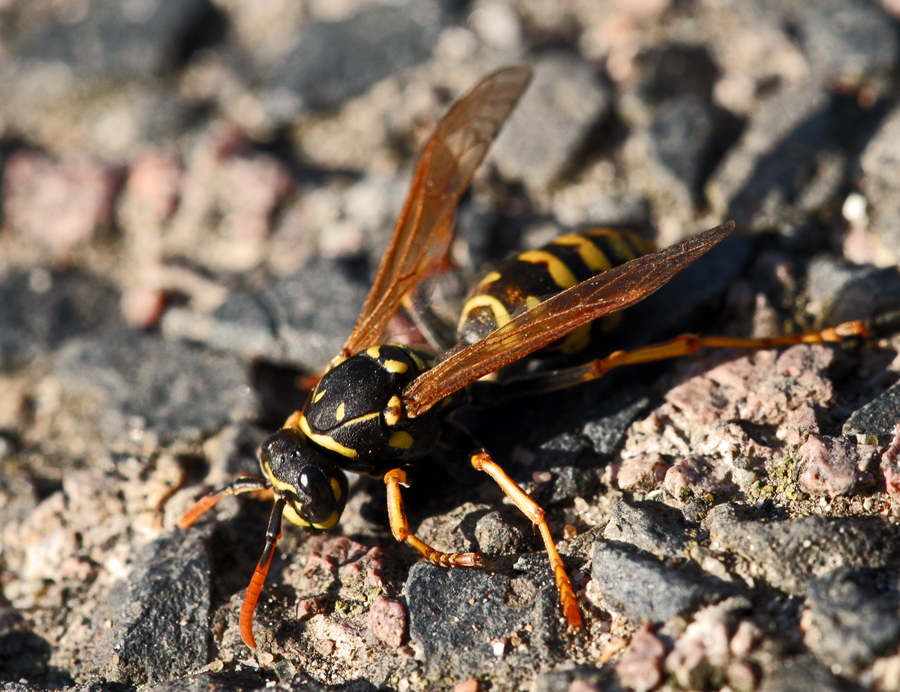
529, 278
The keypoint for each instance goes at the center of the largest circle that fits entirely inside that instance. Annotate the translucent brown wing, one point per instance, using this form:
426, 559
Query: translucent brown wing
556, 317
424, 230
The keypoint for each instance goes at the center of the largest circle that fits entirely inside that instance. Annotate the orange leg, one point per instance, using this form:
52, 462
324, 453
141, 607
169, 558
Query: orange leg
400, 527
483, 462
204, 504
251, 598
683, 345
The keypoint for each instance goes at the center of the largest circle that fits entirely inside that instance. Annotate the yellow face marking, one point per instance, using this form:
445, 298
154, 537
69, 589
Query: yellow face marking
318, 395
616, 242
325, 441
293, 517
591, 256
336, 489
277, 484
489, 278
373, 352
501, 314
397, 366
562, 276
328, 523
341, 412
401, 440
392, 412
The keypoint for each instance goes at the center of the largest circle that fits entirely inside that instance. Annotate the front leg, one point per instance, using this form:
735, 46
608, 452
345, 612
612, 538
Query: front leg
400, 527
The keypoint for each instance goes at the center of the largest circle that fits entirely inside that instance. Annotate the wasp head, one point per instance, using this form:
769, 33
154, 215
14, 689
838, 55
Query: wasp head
312, 485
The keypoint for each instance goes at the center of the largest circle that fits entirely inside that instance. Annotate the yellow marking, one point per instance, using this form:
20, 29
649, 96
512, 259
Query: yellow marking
401, 440
325, 441
562, 276
393, 410
291, 422
360, 419
489, 278
289, 513
532, 302
396, 366
337, 360
616, 242
341, 412
592, 257
328, 523
277, 484
501, 314
318, 395
373, 352
293, 517
577, 340
420, 364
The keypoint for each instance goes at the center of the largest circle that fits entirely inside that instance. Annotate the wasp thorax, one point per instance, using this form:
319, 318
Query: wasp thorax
300, 472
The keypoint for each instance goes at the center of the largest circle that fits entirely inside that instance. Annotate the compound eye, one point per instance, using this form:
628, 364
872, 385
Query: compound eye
320, 497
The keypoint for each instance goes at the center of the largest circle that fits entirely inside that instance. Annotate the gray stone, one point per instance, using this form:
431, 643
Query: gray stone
805, 674
564, 102
607, 426
156, 387
879, 162
875, 422
853, 617
644, 588
301, 320
40, 310
458, 615
840, 291
848, 41
788, 554
651, 526
761, 177
120, 38
160, 615
334, 61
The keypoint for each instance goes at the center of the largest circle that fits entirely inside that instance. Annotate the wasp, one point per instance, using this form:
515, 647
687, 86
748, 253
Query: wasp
380, 407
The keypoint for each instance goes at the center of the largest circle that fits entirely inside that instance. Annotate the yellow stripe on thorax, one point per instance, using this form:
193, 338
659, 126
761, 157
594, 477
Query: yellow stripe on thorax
326, 441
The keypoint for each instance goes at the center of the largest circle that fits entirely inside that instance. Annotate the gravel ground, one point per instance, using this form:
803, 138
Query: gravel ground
194, 194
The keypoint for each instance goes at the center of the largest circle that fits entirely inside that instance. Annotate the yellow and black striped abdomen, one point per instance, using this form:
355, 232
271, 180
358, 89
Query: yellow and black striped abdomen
522, 282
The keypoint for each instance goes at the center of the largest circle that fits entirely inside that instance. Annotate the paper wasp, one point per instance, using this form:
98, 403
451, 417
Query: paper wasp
380, 407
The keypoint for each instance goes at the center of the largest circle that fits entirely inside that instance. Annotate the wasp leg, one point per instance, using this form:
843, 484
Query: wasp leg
204, 504
438, 334
683, 345
273, 533
400, 527
482, 462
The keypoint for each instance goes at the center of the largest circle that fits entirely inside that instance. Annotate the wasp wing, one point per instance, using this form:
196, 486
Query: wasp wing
555, 317
422, 236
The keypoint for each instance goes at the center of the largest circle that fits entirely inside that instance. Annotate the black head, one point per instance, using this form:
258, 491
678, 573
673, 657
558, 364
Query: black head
313, 486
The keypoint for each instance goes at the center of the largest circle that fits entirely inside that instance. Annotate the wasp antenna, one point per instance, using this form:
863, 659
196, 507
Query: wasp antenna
273, 533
